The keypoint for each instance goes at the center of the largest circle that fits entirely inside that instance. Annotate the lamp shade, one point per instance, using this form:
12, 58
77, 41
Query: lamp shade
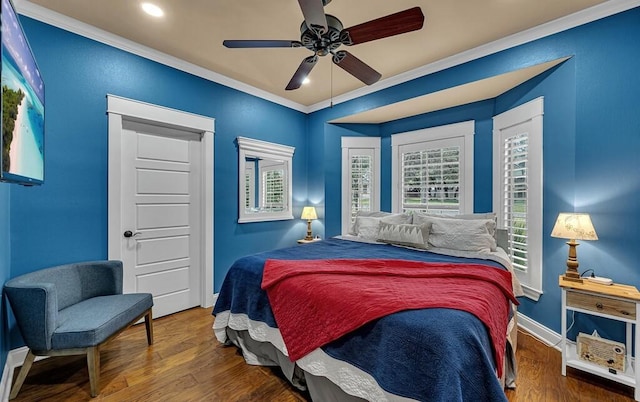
575, 226
309, 213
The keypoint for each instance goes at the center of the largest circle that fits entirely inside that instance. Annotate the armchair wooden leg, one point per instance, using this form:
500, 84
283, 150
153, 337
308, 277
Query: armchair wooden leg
93, 363
22, 375
148, 323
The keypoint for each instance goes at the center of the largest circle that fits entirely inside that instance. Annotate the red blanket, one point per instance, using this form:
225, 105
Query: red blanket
317, 301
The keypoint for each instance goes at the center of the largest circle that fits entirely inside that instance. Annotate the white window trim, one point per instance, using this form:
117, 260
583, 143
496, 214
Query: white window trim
532, 112
355, 143
269, 150
464, 130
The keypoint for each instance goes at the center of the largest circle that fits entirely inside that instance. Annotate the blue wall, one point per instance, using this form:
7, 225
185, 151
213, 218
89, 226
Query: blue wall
65, 219
591, 146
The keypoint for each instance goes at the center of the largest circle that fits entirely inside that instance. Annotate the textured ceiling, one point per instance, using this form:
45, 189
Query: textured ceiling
193, 31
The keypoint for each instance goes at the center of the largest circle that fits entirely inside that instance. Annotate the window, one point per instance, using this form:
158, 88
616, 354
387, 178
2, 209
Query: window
431, 180
432, 170
265, 189
250, 186
517, 189
273, 184
360, 177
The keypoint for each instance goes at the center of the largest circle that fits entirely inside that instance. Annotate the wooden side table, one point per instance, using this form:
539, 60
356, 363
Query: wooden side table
615, 302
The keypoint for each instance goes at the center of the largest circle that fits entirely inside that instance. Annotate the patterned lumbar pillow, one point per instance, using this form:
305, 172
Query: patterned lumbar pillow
404, 234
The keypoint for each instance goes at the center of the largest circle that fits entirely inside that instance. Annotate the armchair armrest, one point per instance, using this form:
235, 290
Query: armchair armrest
35, 306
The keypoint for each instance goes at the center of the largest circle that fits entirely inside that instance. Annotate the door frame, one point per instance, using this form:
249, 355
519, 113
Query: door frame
121, 109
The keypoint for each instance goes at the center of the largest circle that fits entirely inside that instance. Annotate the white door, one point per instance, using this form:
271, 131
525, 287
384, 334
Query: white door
161, 203
160, 215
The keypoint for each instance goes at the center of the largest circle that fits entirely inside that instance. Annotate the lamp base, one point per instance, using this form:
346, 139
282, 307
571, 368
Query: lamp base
309, 235
572, 273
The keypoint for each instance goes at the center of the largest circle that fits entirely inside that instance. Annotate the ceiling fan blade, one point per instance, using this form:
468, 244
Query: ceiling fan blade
235, 44
393, 24
301, 73
314, 17
356, 67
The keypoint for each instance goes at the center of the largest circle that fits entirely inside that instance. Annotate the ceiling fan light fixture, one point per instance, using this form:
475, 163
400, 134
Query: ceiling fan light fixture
152, 10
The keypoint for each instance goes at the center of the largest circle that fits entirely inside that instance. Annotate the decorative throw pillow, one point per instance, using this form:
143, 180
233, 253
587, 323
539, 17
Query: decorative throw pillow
482, 216
366, 227
404, 234
463, 234
353, 229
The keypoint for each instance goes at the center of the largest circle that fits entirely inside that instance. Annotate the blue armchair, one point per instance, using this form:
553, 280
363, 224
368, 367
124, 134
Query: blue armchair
74, 309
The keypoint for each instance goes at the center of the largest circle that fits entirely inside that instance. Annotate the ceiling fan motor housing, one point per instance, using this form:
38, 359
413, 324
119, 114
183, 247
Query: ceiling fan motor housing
325, 43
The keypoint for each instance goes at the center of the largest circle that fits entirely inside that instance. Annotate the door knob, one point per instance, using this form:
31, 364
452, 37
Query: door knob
129, 233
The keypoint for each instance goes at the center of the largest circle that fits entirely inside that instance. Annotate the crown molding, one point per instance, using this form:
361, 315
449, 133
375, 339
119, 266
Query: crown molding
591, 14
50, 17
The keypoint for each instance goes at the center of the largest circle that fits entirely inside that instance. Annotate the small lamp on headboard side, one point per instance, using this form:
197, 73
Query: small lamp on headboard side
309, 213
573, 226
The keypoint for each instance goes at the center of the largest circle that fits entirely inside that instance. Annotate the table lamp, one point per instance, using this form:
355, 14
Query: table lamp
309, 213
573, 226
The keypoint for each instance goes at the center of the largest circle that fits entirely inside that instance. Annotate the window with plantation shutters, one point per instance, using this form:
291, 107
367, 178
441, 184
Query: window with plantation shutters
361, 191
432, 170
249, 188
514, 197
360, 178
265, 190
273, 182
517, 192
431, 180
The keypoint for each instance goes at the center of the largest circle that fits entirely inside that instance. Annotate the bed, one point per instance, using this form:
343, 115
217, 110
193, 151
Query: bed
432, 353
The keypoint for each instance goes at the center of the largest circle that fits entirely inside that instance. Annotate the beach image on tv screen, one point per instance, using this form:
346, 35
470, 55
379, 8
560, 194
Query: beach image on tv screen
22, 102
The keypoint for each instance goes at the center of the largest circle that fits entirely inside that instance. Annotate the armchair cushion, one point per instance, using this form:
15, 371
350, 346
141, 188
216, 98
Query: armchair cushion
93, 321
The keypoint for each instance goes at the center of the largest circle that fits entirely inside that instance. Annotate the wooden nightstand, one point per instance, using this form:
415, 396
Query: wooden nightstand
615, 302
303, 241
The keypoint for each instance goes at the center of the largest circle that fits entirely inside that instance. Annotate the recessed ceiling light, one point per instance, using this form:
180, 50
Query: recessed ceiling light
152, 10
306, 81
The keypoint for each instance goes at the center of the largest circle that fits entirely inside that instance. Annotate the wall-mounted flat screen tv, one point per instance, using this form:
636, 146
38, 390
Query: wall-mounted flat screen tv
22, 157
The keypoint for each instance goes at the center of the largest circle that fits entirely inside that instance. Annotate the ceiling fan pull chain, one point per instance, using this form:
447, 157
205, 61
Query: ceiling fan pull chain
331, 87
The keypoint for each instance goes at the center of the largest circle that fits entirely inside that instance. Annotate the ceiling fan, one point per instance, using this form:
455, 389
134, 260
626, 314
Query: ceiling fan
323, 34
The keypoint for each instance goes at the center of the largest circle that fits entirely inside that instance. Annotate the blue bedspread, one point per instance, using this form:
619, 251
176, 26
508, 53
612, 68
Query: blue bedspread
427, 355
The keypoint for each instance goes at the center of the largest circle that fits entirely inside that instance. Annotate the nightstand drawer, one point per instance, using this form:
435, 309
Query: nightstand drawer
604, 305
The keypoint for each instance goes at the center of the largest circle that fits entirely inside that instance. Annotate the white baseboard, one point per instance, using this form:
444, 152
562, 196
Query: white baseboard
15, 358
546, 335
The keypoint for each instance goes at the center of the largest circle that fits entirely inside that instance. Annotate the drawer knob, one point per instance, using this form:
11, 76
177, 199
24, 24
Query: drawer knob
599, 306
624, 312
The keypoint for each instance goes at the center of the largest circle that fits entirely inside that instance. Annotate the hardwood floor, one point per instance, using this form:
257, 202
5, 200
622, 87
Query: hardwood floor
186, 363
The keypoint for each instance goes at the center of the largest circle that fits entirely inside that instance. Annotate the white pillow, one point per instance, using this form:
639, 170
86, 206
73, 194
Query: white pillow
377, 214
404, 234
485, 215
366, 227
460, 234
